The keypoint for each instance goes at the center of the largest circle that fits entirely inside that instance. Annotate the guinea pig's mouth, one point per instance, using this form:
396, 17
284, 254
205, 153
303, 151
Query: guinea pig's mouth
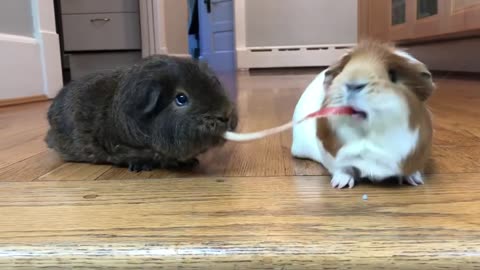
359, 114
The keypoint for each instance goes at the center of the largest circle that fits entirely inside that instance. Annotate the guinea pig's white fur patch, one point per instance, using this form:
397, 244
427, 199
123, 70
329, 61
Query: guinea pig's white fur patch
376, 149
305, 141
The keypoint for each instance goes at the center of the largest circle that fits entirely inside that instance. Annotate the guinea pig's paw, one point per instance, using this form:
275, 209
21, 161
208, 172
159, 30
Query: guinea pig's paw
188, 164
138, 166
182, 165
341, 179
415, 179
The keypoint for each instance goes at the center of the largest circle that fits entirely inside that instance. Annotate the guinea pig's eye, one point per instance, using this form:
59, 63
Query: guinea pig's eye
181, 100
392, 74
426, 75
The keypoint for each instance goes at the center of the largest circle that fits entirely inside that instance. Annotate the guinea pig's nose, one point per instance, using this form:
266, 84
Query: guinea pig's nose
355, 87
232, 120
223, 119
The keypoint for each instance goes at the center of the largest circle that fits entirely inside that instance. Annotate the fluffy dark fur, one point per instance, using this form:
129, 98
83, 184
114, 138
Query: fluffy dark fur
131, 117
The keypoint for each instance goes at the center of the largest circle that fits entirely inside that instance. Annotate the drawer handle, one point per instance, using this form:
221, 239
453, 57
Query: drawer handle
100, 20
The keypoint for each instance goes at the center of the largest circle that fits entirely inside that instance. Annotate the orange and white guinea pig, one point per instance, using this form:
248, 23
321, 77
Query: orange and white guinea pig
390, 134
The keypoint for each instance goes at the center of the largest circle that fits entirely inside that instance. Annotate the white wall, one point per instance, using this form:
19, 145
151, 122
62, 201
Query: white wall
16, 17
300, 22
29, 50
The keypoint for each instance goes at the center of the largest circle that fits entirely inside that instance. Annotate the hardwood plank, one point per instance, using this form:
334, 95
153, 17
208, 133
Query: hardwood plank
20, 152
75, 171
444, 134
266, 215
213, 163
22, 132
18, 124
115, 173
454, 159
34, 109
10, 139
240, 223
31, 168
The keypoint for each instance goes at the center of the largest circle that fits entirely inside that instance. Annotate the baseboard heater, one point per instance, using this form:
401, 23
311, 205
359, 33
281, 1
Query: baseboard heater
290, 56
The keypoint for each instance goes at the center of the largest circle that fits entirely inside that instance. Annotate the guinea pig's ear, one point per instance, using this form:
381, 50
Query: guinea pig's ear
335, 69
146, 99
427, 84
423, 85
150, 101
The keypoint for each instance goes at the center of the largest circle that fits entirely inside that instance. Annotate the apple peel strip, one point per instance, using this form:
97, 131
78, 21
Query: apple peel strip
324, 112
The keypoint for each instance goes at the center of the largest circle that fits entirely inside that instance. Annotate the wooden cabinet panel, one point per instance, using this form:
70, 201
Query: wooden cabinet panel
411, 20
362, 24
454, 20
400, 30
428, 20
398, 12
98, 6
469, 10
460, 5
373, 21
426, 8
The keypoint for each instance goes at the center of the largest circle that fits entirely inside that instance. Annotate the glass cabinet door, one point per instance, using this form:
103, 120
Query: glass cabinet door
426, 8
399, 8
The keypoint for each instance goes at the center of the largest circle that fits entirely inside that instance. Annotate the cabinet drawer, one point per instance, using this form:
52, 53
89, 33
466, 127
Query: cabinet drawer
86, 63
98, 6
108, 31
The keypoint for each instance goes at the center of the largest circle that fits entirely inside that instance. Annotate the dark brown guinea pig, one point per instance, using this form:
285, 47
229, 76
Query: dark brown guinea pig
160, 113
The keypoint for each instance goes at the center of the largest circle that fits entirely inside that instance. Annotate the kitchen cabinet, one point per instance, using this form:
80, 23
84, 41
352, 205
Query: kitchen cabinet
99, 35
416, 20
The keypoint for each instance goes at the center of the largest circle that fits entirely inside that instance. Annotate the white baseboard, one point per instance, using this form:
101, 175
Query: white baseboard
162, 50
290, 56
182, 55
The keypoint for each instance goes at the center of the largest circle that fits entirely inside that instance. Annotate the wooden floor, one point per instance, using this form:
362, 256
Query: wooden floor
247, 206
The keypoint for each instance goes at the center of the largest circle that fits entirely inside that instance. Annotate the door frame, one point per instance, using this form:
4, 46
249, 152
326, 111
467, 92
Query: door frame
207, 27
36, 69
49, 42
153, 26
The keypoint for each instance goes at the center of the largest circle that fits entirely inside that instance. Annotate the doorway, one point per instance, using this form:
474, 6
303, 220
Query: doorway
212, 33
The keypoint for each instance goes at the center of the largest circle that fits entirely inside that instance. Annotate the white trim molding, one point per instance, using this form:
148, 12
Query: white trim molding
20, 70
290, 56
48, 39
281, 56
152, 21
180, 55
240, 24
17, 39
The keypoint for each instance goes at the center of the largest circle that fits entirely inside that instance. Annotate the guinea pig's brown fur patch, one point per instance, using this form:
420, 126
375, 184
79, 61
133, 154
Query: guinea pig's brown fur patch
327, 136
419, 119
